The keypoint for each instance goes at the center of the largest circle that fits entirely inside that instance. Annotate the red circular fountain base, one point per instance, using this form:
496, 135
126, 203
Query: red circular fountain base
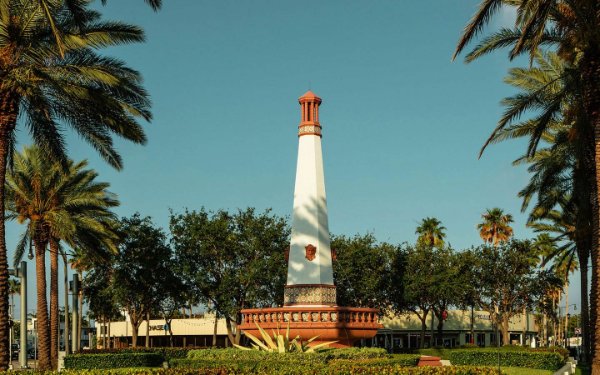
342, 324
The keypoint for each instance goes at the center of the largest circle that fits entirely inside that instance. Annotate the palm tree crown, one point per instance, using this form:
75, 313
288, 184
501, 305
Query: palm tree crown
431, 232
495, 227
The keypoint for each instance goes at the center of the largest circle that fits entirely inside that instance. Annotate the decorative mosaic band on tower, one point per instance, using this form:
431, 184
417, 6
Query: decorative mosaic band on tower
310, 129
310, 294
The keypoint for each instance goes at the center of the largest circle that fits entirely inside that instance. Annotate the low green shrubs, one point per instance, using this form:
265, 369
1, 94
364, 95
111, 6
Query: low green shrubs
354, 353
513, 358
448, 370
114, 360
254, 355
166, 352
398, 360
324, 362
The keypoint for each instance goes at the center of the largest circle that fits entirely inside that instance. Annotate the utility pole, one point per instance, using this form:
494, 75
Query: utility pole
21, 273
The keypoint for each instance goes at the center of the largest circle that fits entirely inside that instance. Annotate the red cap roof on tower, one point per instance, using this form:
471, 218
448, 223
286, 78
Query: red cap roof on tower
309, 95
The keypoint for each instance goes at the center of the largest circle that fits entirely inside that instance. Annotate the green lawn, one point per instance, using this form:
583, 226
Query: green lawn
525, 371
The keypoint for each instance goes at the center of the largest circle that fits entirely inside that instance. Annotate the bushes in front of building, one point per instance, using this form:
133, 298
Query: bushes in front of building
328, 360
354, 353
397, 360
253, 355
507, 357
445, 353
167, 353
113, 360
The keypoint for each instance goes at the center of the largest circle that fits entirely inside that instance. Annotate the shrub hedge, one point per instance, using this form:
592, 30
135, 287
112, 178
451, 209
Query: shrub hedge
166, 352
325, 355
513, 358
335, 361
448, 370
114, 360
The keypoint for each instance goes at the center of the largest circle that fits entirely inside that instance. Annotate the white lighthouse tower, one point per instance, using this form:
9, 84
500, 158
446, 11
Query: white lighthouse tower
310, 272
310, 307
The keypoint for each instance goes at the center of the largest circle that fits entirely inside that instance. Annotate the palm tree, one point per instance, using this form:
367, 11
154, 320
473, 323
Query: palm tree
51, 86
495, 227
71, 207
559, 172
573, 27
431, 232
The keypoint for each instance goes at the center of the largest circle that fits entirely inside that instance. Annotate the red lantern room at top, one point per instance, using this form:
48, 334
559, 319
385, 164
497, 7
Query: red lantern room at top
309, 119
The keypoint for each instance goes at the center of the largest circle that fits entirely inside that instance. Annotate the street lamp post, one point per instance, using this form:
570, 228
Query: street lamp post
566, 308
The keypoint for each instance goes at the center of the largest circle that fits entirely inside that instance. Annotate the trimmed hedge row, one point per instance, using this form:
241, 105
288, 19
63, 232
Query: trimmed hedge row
282, 362
389, 370
324, 355
166, 352
512, 358
115, 360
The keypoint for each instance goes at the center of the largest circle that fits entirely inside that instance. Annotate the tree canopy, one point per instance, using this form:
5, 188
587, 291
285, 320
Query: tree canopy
231, 261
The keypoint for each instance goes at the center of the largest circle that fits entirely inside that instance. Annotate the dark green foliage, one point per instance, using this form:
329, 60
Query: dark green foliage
446, 353
142, 270
166, 353
363, 271
512, 358
231, 261
114, 360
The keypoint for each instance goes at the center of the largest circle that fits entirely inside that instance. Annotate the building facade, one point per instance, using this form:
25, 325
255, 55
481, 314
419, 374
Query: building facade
399, 333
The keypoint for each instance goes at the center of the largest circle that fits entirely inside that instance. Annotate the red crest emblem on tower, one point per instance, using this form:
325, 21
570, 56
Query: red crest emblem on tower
311, 252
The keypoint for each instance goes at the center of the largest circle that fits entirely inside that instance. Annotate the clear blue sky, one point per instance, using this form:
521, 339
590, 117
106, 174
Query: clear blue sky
402, 124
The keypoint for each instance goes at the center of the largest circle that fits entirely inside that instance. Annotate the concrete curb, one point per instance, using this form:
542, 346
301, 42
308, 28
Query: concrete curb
568, 368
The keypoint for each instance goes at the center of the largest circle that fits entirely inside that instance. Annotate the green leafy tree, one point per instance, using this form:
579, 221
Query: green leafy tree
363, 271
173, 293
450, 282
507, 281
231, 261
139, 269
51, 85
431, 232
99, 296
417, 282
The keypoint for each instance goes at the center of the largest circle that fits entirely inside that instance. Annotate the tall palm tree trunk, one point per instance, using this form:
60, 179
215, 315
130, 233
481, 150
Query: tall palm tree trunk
585, 318
54, 317
544, 330
9, 107
43, 329
590, 68
582, 181
80, 316
566, 330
